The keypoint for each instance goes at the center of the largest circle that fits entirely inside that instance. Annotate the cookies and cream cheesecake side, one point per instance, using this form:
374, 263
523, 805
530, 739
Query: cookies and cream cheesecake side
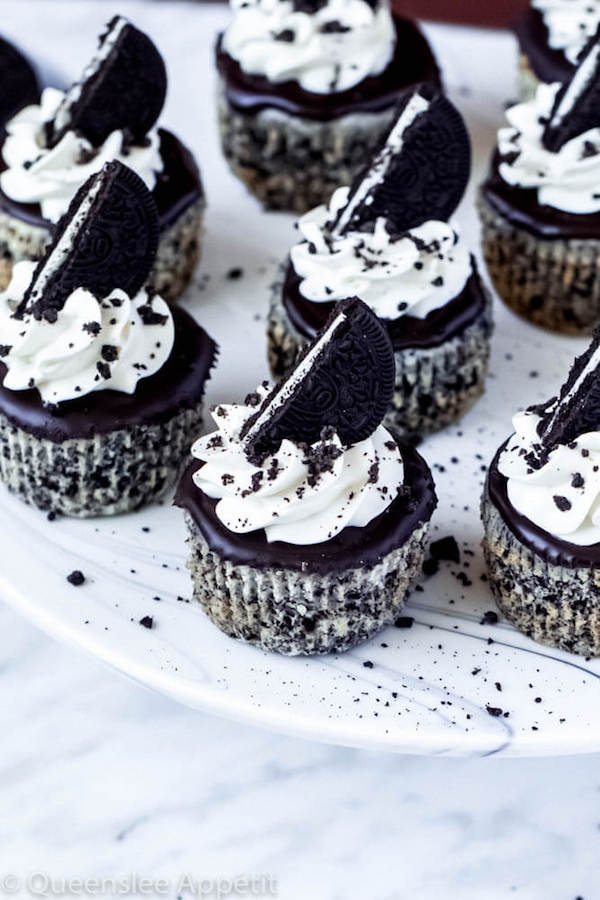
51, 148
540, 514
387, 239
314, 81
307, 519
539, 205
101, 383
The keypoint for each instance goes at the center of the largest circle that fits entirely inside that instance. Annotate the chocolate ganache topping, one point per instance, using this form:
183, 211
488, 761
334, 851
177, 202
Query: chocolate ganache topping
553, 33
545, 480
319, 60
386, 238
296, 474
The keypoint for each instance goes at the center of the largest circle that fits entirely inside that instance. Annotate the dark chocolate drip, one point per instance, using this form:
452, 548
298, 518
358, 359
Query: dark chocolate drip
520, 206
550, 548
178, 384
177, 187
547, 64
406, 332
351, 548
413, 62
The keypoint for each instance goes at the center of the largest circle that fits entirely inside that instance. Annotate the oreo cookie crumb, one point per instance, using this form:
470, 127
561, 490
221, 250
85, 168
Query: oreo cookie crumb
147, 622
446, 548
234, 274
76, 578
489, 618
404, 622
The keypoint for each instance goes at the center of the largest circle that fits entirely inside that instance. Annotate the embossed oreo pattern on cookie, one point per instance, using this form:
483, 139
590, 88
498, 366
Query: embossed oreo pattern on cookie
107, 240
124, 87
344, 381
420, 171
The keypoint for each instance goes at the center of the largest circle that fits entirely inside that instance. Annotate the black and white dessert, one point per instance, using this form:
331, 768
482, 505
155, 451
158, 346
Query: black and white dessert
387, 239
50, 149
307, 519
307, 88
101, 384
540, 205
541, 512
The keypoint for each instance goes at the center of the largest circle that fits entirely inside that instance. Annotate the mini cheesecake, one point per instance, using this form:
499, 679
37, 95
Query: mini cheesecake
552, 35
101, 385
387, 240
307, 520
540, 205
306, 90
540, 514
48, 150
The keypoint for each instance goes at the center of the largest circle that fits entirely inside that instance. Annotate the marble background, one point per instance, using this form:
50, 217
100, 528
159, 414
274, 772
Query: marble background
101, 778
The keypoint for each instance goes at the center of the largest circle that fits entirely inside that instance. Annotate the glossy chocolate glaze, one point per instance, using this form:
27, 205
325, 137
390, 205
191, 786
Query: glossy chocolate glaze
413, 61
552, 549
405, 332
548, 65
352, 548
177, 385
177, 186
520, 206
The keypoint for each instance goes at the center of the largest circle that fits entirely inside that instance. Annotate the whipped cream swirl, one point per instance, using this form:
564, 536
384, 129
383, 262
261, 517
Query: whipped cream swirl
300, 494
94, 344
330, 50
568, 180
52, 176
562, 496
408, 274
570, 24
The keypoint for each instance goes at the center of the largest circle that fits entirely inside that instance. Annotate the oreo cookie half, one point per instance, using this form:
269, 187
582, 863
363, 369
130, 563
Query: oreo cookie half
577, 409
577, 105
107, 239
18, 82
123, 87
420, 170
345, 381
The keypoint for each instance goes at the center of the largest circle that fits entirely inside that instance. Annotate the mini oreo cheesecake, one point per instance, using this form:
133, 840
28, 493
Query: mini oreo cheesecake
552, 35
540, 205
101, 384
307, 88
50, 149
541, 515
19, 84
387, 240
307, 519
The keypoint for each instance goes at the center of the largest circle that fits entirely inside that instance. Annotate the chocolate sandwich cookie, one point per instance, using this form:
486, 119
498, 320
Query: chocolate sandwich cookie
540, 206
306, 91
109, 113
307, 519
386, 238
542, 532
101, 384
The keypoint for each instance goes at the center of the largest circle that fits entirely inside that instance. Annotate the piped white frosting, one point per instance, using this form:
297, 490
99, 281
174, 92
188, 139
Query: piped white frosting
52, 176
283, 495
569, 179
570, 24
562, 496
94, 344
269, 38
413, 274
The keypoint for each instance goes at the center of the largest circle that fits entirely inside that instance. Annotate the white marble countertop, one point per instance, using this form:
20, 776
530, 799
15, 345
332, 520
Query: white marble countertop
99, 778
